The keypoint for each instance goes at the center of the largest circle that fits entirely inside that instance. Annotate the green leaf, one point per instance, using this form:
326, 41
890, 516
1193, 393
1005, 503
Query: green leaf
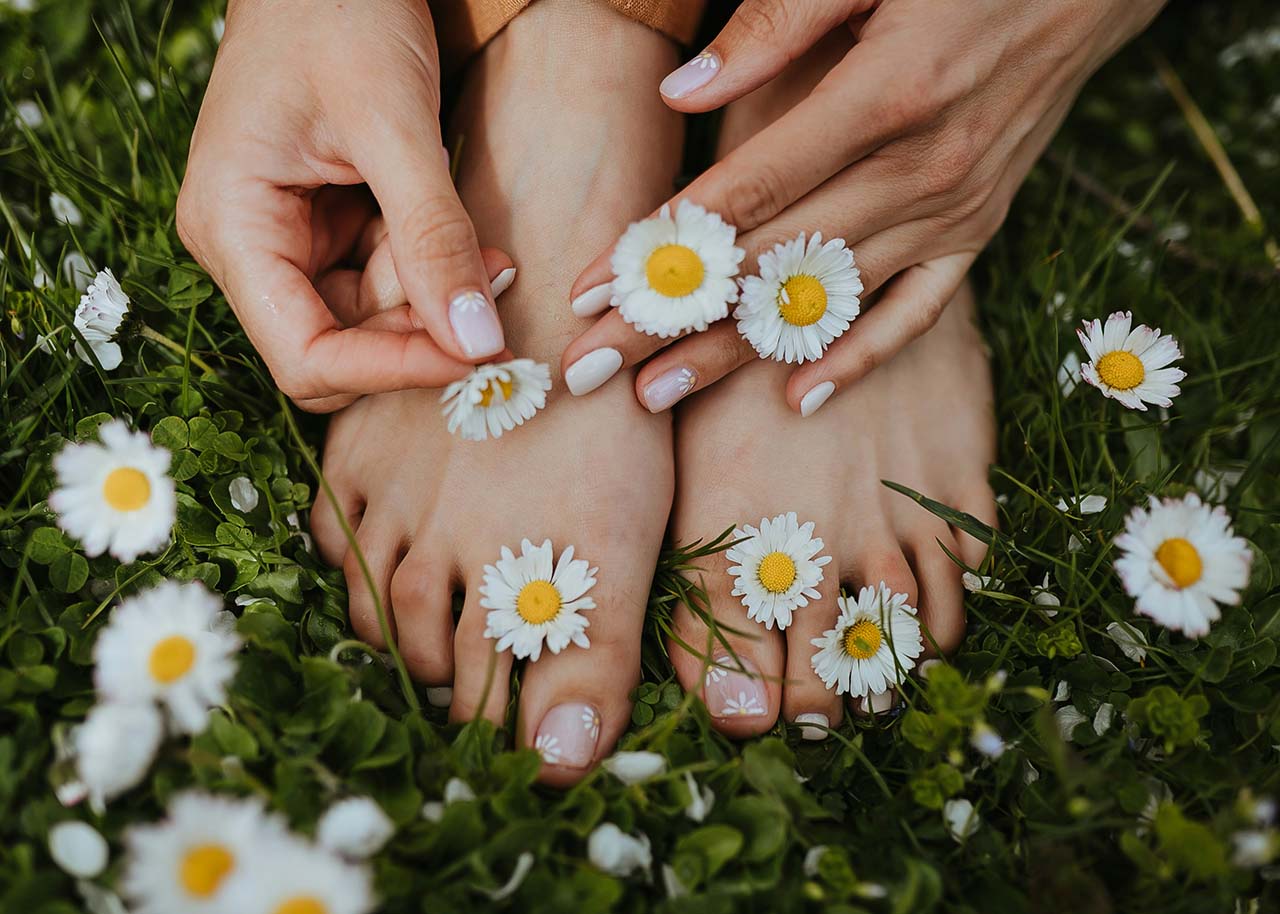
69, 572
47, 545
716, 845
171, 432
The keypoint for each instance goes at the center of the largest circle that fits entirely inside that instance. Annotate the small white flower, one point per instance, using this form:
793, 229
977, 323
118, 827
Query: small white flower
873, 646
591, 722
1180, 559
1130, 639
1068, 718
244, 494
288, 875
776, 569
1069, 373
29, 113
960, 819
804, 298
495, 398
355, 827
524, 863
115, 496
986, 740
160, 646
114, 748
78, 848
1129, 365
1254, 847
548, 747
532, 601
77, 270
672, 275
456, 790
701, 799
98, 317
743, 705
635, 767
64, 210
1090, 504
613, 851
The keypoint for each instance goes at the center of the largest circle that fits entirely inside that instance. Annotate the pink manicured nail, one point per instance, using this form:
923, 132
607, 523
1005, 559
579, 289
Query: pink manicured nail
730, 692
818, 395
476, 325
664, 391
593, 301
568, 735
692, 76
592, 370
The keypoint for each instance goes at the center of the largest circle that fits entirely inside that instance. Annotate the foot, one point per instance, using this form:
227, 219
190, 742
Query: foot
543, 116
924, 420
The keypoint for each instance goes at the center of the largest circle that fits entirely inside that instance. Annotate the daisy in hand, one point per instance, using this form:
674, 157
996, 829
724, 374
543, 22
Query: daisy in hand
875, 643
777, 568
1179, 559
804, 298
495, 398
677, 274
1130, 365
532, 602
160, 646
115, 496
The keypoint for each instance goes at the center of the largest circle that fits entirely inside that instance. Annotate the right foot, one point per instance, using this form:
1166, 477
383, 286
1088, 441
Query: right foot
545, 116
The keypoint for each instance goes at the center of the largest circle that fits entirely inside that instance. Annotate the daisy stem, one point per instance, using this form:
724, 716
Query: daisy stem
157, 337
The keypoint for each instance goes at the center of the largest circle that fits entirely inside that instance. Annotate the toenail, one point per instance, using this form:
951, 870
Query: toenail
475, 324
816, 396
593, 301
692, 76
440, 696
820, 724
502, 282
664, 391
730, 691
568, 735
879, 702
592, 370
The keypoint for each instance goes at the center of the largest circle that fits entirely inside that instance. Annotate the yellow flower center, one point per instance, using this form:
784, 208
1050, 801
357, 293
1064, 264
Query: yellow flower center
1181, 561
777, 572
303, 904
1121, 370
204, 867
674, 270
494, 387
538, 602
802, 301
862, 639
171, 659
126, 489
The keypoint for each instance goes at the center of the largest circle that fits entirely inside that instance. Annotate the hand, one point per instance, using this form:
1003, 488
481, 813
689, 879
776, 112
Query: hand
305, 101
911, 147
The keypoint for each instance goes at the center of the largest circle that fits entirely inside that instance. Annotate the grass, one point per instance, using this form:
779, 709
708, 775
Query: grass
1132, 210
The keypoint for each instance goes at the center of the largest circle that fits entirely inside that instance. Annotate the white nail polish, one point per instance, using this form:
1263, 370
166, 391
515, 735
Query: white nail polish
593, 301
816, 397
818, 732
502, 282
439, 696
879, 702
592, 370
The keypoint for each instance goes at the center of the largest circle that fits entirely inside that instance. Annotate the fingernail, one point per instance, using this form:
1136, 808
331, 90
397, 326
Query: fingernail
568, 734
664, 391
692, 76
593, 301
502, 282
730, 690
440, 696
879, 702
592, 370
818, 731
816, 397
476, 325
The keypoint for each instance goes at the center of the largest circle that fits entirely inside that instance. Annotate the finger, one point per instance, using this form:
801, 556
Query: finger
603, 350
910, 306
692, 364
756, 44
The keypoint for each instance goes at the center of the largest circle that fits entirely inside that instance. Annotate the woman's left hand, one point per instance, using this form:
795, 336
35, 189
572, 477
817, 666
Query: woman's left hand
911, 149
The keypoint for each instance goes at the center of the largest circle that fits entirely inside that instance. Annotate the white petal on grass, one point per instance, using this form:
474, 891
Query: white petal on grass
64, 210
114, 748
244, 494
961, 819
456, 790
1068, 718
524, 863
1069, 373
812, 859
355, 827
1254, 847
1062, 692
701, 799
29, 113
635, 767
77, 270
987, 741
1130, 639
613, 851
78, 848
977, 582
1089, 504
671, 882
98, 900
1102, 719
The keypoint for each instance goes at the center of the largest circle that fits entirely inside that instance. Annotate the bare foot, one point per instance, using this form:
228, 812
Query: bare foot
565, 142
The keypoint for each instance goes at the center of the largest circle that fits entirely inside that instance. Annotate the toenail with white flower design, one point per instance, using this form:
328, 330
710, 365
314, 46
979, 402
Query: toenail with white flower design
568, 735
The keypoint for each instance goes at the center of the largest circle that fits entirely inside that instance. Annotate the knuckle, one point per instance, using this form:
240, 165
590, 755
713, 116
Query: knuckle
760, 21
439, 230
757, 197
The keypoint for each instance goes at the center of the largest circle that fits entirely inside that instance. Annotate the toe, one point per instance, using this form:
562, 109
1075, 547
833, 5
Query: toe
422, 599
806, 701
941, 592
326, 527
379, 544
978, 500
482, 675
882, 560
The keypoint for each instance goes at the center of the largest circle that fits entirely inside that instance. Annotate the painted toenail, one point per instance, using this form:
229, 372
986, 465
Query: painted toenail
666, 390
816, 397
568, 735
502, 282
819, 729
879, 702
692, 76
440, 696
592, 370
734, 690
593, 301
475, 324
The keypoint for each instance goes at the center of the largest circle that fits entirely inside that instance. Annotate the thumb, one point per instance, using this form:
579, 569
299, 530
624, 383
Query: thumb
756, 44
433, 244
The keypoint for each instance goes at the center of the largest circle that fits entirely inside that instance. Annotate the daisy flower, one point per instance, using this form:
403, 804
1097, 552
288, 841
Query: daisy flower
875, 642
114, 748
1129, 365
187, 861
98, 317
775, 568
1179, 560
805, 296
673, 275
495, 398
160, 646
532, 599
115, 496
289, 876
